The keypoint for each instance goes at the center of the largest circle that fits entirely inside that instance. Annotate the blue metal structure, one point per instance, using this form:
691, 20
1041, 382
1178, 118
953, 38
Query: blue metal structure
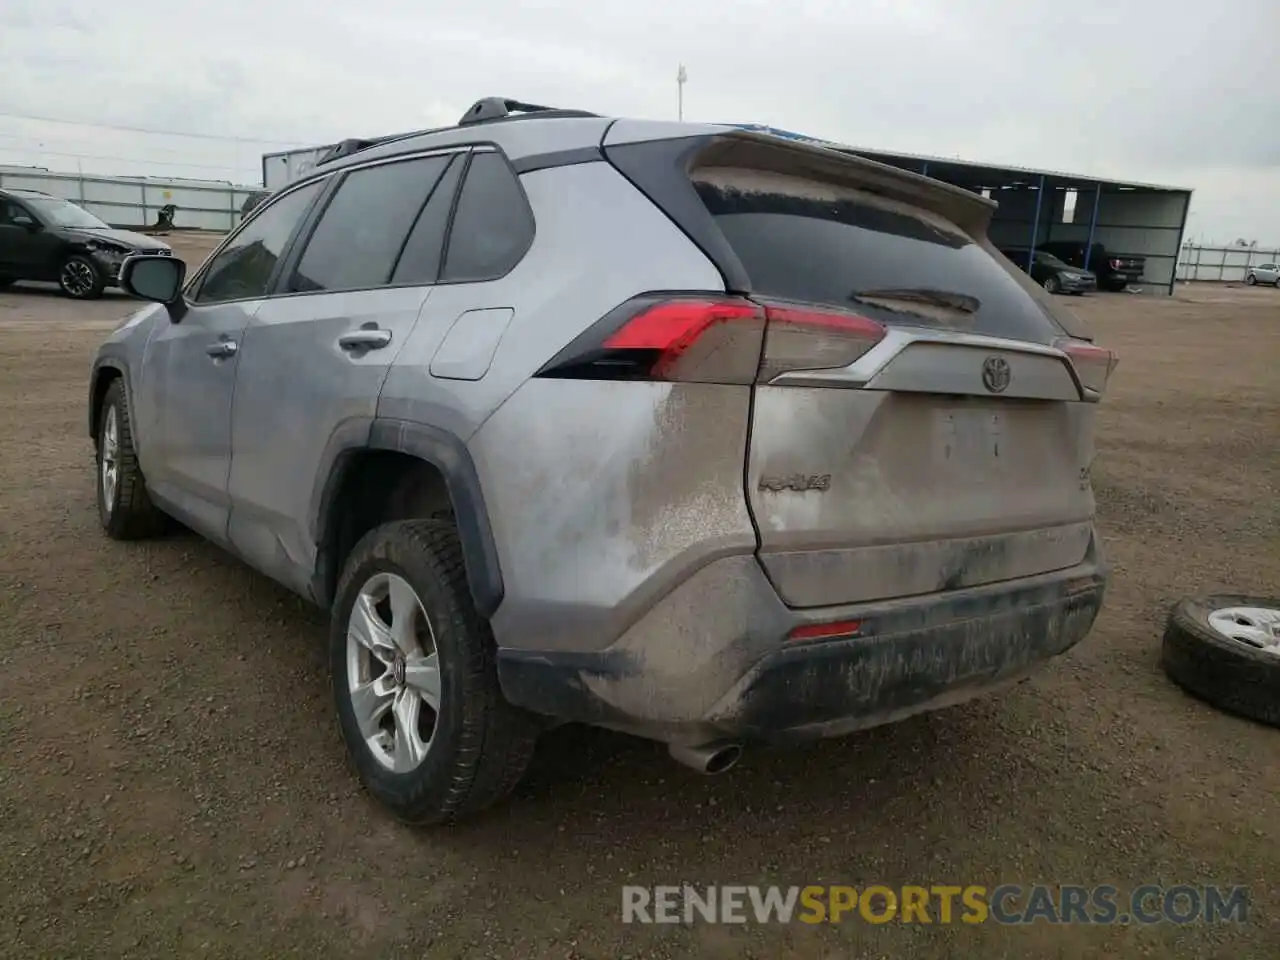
1035, 226
1093, 224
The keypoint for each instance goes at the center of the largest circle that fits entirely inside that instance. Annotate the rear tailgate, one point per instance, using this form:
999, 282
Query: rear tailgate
1130, 268
951, 448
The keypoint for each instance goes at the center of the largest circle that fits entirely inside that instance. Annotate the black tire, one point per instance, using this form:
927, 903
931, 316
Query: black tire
1227, 673
1051, 284
1251, 280
80, 278
126, 513
480, 746
6, 282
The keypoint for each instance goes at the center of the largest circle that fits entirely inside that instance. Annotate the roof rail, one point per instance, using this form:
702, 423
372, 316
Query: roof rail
482, 111
345, 149
501, 108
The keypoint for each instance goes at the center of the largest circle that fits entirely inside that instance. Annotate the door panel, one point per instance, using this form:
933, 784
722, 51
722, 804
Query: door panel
184, 406
310, 364
24, 252
191, 367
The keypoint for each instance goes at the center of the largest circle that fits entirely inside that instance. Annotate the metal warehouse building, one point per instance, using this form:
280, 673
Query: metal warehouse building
1035, 206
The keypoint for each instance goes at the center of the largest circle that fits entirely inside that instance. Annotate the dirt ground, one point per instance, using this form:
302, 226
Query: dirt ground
172, 780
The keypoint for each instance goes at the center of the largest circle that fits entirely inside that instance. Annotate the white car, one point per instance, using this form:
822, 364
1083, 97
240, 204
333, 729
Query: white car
1263, 273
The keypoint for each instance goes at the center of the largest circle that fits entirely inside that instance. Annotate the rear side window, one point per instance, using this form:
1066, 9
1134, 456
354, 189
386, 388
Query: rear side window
358, 239
493, 225
801, 239
420, 260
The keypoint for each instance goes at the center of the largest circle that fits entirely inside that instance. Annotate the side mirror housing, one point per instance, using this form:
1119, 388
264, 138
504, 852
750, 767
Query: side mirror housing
154, 277
27, 224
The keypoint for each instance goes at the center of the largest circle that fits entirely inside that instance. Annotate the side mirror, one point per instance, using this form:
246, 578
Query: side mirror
153, 277
26, 223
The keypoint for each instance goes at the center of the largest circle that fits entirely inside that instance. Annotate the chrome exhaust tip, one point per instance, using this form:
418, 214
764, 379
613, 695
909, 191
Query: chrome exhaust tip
708, 758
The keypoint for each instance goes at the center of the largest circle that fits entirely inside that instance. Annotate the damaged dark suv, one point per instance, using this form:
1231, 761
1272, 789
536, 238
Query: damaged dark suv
43, 237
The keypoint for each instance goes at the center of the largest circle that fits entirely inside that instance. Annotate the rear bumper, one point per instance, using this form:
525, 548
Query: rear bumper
1118, 281
909, 656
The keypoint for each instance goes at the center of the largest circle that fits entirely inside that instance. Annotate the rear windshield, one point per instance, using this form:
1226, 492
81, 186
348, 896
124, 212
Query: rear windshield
803, 240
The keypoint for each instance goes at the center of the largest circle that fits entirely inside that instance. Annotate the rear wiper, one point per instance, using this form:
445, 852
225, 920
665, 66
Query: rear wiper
926, 295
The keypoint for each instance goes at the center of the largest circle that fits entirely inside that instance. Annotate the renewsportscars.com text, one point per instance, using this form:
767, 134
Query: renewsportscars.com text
944, 904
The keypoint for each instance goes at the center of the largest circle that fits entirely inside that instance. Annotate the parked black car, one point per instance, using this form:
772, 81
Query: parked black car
1114, 271
43, 237
1053, 274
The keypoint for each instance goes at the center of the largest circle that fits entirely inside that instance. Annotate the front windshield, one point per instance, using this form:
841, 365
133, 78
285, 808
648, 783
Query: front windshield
64, 214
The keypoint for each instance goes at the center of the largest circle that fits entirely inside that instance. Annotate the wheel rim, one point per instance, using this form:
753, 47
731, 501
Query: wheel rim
110, 457
1051, 284
1257, 627
393, 672
77, 277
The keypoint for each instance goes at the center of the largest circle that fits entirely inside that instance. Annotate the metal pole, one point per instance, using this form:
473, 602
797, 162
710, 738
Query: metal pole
1035, 226
1093, 223
1182, 230
681, 76
924, 169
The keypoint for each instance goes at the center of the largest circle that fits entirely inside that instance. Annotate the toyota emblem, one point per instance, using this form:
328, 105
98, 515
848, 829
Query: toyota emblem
996, 374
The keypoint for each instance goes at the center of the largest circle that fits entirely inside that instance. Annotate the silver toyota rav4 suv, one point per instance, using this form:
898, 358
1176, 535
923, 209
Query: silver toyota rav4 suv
674, 429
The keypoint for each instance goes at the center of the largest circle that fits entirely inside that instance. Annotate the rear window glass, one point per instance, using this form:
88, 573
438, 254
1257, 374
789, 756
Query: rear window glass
803, 240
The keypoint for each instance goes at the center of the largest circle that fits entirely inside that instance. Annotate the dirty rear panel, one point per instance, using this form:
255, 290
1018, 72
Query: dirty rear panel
956, 452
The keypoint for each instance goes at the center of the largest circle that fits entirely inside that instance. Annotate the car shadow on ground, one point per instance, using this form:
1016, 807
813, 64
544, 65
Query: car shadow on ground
36, 289
581, 776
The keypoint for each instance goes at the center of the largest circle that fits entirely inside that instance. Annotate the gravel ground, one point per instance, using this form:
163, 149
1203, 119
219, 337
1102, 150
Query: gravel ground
173, 782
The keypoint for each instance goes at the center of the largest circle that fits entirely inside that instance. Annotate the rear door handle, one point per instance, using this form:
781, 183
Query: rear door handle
369, 338
222, 349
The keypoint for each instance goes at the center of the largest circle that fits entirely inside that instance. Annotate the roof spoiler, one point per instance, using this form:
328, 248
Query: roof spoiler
969, 211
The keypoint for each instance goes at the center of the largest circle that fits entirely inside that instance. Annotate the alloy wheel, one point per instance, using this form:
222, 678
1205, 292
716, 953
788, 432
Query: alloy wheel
1257, 627
393, 672
110, 457
77, 277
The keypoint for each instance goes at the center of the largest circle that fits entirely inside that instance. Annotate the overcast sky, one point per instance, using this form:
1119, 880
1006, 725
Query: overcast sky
1166, 91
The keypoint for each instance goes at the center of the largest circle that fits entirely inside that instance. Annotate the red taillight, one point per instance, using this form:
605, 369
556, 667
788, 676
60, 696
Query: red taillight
812, 632
714, 340
1093, 364
711, 340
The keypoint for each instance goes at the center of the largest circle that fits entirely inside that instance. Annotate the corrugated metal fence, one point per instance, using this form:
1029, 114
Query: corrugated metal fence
136, 201
1222, 264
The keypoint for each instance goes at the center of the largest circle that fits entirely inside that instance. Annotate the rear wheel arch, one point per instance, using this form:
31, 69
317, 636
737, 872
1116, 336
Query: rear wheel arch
405, 471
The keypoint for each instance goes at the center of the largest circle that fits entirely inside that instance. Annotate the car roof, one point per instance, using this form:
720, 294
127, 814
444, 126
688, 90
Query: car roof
519, 130
23, 192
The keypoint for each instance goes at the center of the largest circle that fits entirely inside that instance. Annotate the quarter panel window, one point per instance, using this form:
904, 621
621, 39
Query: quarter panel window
493, 225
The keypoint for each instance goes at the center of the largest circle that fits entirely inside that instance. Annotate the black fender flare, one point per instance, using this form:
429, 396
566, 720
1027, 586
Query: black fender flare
101, 364
447, 453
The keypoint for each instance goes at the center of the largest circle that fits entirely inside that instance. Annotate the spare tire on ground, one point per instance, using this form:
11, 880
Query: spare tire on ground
1225, 649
